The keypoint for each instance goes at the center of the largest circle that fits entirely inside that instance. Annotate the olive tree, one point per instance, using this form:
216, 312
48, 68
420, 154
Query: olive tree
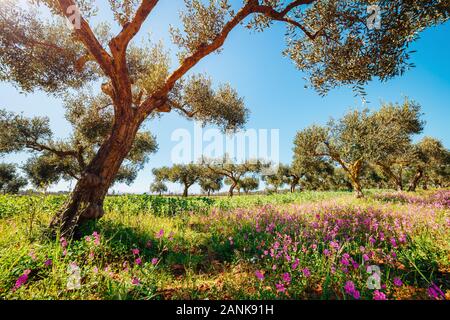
210, 181
391, 149
184, 174
158, 187
332, 41
248, 184
10, 180
431, 159
231, 171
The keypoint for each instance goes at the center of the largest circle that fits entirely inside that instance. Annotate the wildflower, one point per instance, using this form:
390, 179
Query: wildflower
378, 295
398, 282
125, 265
365, 257
149, 244
280, 287
326, 252
356, 294
394, 242
231, 241
48, 263
435, 292
334, 245
160, 234
96, 238
22, 279
87, 238
349, 287
135, 251
362, 249
171, 236
138, 261
91, 255
135, 281
295, 264
154, 261
63, 242
286, 277
259, 275
355, 265
345, 262
306, 272
274, 267
95, 269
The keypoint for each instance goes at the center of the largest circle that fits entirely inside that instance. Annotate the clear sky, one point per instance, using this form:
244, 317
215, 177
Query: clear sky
272, 87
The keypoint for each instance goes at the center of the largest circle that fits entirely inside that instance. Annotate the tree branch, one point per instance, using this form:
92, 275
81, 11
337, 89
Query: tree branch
85, 34
132, 28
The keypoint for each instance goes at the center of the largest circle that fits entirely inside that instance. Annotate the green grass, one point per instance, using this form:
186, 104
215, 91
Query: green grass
208, 249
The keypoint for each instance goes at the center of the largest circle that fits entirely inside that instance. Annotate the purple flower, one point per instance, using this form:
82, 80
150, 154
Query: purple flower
160, 234
135, 251
365, 257
295, 264
138, 261
154, 261
280, 287
287, 277
96, 236
274, 267
87, 238
349, 287
435, 292
306, 272
398, 282
394, 242
135, 281
378, 295
48, 263
259, 275
356, 294
63, 242
326, 252
22, 279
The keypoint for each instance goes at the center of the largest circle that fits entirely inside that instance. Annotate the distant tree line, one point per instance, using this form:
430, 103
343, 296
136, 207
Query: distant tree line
363, 149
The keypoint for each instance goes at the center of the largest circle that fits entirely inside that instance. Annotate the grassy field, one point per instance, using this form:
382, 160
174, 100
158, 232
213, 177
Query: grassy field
312, 245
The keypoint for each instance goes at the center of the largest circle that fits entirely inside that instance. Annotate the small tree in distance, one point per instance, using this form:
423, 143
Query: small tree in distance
10, 181
158, 187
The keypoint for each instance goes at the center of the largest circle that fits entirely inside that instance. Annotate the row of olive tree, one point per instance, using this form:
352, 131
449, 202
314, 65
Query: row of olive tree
375, 146
210, 175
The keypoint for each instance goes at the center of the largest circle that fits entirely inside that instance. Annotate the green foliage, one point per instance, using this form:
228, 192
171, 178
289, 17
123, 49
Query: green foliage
10, 181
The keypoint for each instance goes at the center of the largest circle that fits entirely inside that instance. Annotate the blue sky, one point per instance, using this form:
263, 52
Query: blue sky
273, 90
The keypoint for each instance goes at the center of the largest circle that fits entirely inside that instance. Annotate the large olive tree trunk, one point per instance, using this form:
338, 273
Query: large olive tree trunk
415, 180
86, 201
232, 187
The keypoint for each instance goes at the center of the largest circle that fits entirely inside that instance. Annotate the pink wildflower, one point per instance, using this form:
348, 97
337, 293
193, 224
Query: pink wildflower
22, 279
378, 295
259, 275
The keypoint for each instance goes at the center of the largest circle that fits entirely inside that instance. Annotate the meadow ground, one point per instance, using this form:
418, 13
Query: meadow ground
310, 245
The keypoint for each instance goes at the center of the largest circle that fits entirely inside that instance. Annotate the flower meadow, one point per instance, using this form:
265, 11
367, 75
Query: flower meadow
318, 245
